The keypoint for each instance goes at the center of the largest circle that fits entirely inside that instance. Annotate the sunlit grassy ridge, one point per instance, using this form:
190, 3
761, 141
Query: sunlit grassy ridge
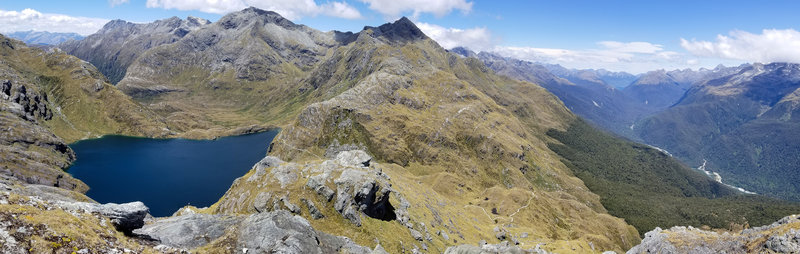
84, 104
457, 140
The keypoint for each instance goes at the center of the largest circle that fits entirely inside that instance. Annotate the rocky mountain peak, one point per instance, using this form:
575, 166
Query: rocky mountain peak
402, 30
114, 25
195, 21
654, 78
465, 52
252, 14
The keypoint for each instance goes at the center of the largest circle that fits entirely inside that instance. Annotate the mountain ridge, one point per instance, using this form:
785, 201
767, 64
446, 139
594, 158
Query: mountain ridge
387, 140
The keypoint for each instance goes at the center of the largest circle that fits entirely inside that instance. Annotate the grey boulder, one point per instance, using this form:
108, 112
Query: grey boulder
125, 217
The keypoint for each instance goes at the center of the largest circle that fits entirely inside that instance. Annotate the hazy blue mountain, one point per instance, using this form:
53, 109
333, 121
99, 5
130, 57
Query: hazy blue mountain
582, 91
661, 89
43, 37
617, 80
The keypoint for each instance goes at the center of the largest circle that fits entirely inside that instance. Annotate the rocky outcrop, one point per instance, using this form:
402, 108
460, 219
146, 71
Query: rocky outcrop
269, 232
28, 151
189, 231
31, 104
500, 248
782, 236
56, 223
360, 188
125, 217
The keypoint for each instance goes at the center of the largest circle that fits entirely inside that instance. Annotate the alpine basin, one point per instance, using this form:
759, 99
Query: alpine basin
165, 174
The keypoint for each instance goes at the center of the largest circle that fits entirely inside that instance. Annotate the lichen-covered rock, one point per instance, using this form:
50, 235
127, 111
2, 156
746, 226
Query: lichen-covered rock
317, 184
353, 158
312, 209
785, 243
262, 202
189, 231
269, 232
782, 236
503, 247
125, 217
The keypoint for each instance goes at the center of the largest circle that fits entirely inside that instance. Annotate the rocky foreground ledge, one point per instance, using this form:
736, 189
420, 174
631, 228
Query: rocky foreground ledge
782, 236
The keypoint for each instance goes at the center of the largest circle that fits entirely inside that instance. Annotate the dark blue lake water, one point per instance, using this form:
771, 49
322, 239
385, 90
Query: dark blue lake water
165, 174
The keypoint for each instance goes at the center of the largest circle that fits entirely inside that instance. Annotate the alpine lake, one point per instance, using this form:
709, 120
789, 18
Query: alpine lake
165, 174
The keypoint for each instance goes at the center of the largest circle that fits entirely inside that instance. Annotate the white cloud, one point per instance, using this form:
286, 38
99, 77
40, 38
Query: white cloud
392, 9
772, 45
634, 57
30, 19
478, 38
290, 9
117, 2
631, 47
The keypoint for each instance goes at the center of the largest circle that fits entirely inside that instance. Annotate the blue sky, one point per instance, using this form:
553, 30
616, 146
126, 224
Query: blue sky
634, 36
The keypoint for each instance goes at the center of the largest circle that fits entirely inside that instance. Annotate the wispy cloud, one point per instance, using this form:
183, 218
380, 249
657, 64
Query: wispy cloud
635, 57
772, 45
290, 9
392, 9
30, 19
478, 38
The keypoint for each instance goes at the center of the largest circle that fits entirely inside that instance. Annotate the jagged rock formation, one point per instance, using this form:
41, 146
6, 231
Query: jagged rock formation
782, 236
115, 46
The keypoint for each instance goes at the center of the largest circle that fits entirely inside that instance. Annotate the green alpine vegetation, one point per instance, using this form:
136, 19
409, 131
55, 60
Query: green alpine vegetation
649, 188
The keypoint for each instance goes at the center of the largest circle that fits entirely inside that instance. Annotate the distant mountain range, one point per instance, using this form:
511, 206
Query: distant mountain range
119, 42
739, 123
618, 80
43, 37
735, 123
